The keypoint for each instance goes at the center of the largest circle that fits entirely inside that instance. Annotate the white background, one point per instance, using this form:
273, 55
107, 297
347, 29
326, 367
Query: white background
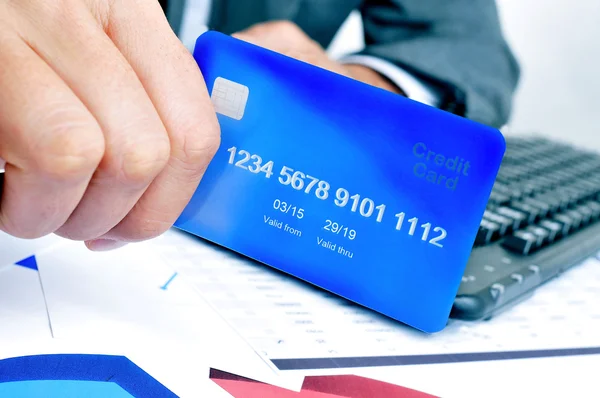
557, 43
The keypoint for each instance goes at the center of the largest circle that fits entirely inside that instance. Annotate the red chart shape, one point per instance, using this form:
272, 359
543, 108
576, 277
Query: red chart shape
344, 386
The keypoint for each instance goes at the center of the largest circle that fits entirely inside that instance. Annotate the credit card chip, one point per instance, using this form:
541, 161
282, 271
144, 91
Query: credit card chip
229, 98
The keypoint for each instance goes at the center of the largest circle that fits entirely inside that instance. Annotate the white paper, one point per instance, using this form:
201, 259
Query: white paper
22, 307
286, 319
122, 296
543, 377
14, 249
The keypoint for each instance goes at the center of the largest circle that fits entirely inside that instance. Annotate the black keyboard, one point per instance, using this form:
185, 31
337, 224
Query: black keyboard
543, 217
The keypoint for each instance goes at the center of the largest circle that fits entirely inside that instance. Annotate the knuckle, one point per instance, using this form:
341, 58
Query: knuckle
286, 26
68, 166
18, 230
73, 148
144, 161
150, 229
51, 14
68, 232
313, 59
301, 55
101, 10
196, 147
143, 224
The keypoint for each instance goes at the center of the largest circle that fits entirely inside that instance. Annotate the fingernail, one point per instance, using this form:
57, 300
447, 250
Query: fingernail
102, 245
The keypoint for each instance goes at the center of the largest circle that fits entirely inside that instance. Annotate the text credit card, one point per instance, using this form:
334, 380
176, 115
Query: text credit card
369, 195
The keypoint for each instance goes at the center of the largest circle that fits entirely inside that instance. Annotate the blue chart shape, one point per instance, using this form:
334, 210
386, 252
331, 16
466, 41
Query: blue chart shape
62, 389
164, 287
112, 370
29, 262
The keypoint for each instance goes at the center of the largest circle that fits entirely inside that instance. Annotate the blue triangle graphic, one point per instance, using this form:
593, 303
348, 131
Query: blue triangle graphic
29, 262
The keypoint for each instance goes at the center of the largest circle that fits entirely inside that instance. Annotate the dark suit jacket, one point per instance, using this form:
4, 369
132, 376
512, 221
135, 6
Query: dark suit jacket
457, 45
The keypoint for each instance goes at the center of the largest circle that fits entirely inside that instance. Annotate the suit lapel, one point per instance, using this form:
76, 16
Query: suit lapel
217, 14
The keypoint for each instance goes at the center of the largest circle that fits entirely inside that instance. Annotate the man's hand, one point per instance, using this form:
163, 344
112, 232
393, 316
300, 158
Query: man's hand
287, 38
105, 122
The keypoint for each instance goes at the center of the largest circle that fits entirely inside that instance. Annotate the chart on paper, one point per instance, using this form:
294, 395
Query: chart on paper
298, 327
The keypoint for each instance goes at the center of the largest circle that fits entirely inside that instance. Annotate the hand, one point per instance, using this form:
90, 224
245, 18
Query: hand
287, 38
105, 122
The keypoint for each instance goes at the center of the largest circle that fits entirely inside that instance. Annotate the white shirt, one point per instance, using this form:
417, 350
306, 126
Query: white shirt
195, 20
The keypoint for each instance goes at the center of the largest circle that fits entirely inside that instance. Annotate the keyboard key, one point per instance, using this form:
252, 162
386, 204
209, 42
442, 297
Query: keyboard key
508, 190
595, 183
552, 201
554, 229
585, 212
542, 207
595, 207
519, 218
504, 223
496, 291
590, 188
530, 211
499, 198
555, 179
488, 231
517, 277
564, 176
522, 242
534, 269
542, 235
520, 172
546, 182
502, 177
565, 197
507, 174
576, 218
526, 187
576, 193
565, 221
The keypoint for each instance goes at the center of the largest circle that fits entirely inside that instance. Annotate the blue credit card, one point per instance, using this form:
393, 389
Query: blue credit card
362, 192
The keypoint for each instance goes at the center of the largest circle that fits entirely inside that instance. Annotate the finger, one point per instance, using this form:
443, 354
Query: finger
263, 39
50, 141
303, 51
280, 36
286, 38
137, 145
175, 85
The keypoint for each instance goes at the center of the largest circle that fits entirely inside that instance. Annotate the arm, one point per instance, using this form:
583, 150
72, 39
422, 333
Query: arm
457, 47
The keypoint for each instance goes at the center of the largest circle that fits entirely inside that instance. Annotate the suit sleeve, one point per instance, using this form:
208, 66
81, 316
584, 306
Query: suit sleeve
173, 10
457, 46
